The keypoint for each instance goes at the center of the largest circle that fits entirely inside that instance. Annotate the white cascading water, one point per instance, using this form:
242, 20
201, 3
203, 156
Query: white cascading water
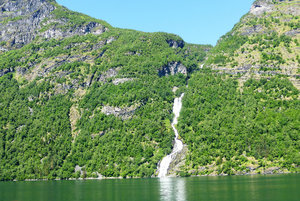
178, 146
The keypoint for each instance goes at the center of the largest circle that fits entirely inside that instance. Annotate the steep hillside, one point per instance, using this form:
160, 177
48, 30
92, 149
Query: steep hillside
265, 42
80, 98
242, 115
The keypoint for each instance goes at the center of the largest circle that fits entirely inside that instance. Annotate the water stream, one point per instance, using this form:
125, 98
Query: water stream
178, 146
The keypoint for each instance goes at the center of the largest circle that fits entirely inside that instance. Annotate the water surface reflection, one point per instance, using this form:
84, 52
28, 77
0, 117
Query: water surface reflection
172, 189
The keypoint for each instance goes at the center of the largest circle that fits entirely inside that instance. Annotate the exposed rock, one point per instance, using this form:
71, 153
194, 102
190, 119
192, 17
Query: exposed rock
98, 46
92, 27
21, 71
30, 98
132, 53
172, 69
292, 32
121, 80
62, 74
30, 110
253, 30
80, 169
62, 88
110, 40
97, 134
5, 71
178, 162
27, 17
176, 44
108, 74
271, 170
175, 89
293, 9
261, 6
24, 18
124, 113
20, 128
2, 49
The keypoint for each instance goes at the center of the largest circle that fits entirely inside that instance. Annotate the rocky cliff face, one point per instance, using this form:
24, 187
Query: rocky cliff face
22, 21
261, 6
264, 43
172, 68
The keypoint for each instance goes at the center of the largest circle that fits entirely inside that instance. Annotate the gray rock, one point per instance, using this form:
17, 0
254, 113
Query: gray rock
20, 128
5, 71
172, 68
122, 80
30, 98
2, 49
108, 74
27, 17
110, 40
91, 27
124, 113
261, 6
178, 162
79, 169
176, 44
132, 53
253, 30
22, 71
292, 32
271, 170
30, 110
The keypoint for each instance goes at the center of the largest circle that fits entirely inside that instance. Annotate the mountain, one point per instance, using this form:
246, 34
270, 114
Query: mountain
241, 112
264, 42
80, 98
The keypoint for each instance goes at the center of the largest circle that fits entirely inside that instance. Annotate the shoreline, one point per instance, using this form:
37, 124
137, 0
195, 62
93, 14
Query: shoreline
153, 177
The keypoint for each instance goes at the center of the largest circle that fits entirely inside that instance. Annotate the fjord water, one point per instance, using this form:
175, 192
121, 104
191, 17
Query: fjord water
228, 188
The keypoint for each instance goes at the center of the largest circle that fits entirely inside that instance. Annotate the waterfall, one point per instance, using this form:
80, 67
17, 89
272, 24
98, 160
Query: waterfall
178, 146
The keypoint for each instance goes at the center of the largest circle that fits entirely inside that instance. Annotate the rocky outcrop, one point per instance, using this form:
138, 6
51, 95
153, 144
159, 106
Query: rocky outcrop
293, 9
253, 30
21, 22
175, 44
294, 32
261, 6
122, 80
124, 113
108, 74
172, 68
5, 71
91, 27
178, 162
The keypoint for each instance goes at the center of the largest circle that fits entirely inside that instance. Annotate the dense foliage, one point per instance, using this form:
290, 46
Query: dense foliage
51, 117
96, 104
225, 126
35, 133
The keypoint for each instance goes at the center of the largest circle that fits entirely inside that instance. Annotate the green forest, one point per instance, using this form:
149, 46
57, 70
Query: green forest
37, 138
100, 105
224, 124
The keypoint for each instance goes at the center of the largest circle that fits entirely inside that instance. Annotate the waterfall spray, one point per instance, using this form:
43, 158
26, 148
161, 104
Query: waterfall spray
178, 146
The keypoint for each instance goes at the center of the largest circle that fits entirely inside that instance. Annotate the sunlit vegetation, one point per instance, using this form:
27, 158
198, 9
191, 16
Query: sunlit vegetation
222, 125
